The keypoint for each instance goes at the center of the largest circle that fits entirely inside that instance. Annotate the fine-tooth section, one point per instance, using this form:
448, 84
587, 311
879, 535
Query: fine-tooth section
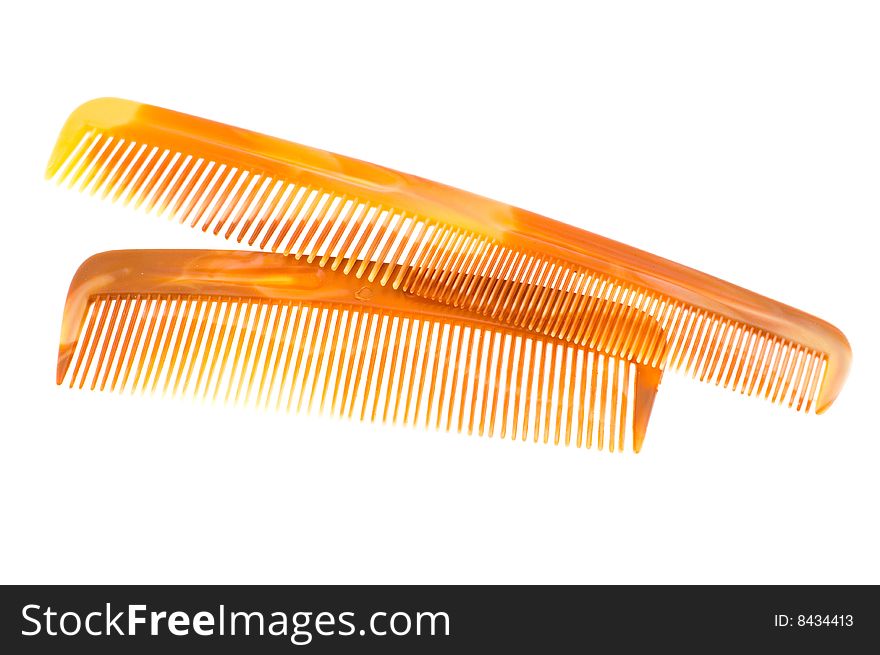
450, 247
259, 330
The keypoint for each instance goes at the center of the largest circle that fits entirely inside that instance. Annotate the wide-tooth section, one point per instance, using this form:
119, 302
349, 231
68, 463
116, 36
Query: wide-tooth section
342, 360
421, 255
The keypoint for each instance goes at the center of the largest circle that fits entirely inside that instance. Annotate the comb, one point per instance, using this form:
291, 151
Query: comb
265, 330
448, 246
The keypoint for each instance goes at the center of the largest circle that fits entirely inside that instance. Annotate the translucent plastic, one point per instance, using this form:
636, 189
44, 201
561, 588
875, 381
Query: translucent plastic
430, 239
164, 319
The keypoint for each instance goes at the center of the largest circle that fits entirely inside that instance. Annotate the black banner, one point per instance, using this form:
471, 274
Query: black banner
277, 619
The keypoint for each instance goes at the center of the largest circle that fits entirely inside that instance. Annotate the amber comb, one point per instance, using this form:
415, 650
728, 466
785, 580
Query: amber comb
263, 329
447, 245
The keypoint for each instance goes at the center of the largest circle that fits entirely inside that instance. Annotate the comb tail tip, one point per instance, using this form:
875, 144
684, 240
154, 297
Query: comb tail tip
646, 385
65, 355
100, 114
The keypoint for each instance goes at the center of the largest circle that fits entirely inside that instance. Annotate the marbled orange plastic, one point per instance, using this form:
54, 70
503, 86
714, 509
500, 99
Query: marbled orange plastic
445, 245
152, 319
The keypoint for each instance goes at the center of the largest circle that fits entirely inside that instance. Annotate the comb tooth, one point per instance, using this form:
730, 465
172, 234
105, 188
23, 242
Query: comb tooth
194, 191
394, 357
365, 233
528, 395
816, 375
355, 222
746, 358
209, 310
300, 217
159, 183
790, 358
342, 382
300, 311
452, 293
75, 157
152, 159
252, 364
82, 345
797, 377
475, 385
171, 337
150, 176
290, 193
111, 145
345, 216
120, 149
730, 357
277, 346
315, 219
188, 171
127, 346
392, 258
581, 398
603, 401
570, 389
284, 221
505, 358
517, 396
320, 221
452, 260
760, 363
624, 400
540, 394
413, 370
337, 349
392, 233
594, 378
87, 160
98, 334
420, 254
263, 207
769, 368
114, 300
331, 222
463, 362
218, 190
158, 306
370, 326
309, 332
243, 331
186, 343
551, 385
700, 334
439, 331
117, 335
425, 263
228, 338
261, 185
243, 182
715, 353
382, 328
184, 187
131, 151
513, 287
421, 228
437, 269
220, 329
327, 324
270, 349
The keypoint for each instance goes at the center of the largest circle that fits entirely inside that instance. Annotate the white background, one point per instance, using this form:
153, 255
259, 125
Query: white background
742, 139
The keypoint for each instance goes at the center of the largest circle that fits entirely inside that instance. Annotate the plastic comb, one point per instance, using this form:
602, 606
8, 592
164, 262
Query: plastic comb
447, 245
263, 329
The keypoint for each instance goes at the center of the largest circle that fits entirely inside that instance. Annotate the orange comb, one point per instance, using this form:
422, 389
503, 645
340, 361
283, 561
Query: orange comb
449, 246
263, 329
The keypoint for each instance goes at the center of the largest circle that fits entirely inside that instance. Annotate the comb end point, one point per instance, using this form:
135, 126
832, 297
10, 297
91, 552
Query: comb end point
647, 383
65, 355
